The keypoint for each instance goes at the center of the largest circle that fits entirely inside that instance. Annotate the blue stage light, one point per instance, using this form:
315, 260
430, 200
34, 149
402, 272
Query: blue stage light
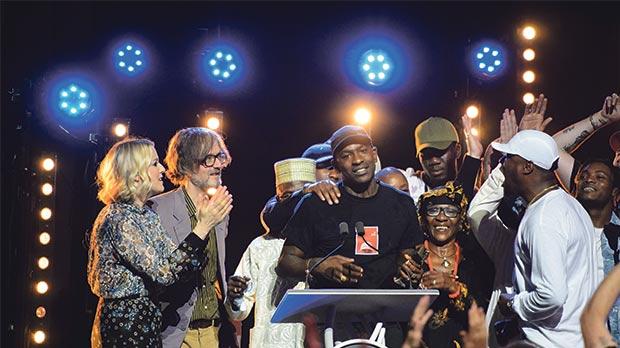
487, 60
377, 59
375, 67
221, 64
129, 59
73, 100
224, 65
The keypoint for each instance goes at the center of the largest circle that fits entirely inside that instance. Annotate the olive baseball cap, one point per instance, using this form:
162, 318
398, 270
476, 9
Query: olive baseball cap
435, 132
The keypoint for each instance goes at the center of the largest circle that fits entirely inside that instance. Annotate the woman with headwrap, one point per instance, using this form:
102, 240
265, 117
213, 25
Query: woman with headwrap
450, 260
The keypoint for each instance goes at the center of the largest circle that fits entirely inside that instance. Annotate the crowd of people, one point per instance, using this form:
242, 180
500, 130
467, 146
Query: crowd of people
522, 218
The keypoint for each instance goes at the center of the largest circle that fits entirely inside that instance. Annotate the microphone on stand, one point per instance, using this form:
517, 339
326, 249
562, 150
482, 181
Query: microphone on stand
359, 230
343, 227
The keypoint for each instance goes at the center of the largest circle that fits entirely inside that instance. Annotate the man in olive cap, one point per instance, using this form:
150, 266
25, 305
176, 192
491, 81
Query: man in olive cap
438, 149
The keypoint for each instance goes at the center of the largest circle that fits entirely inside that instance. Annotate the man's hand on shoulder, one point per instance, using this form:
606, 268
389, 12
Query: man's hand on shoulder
326, 190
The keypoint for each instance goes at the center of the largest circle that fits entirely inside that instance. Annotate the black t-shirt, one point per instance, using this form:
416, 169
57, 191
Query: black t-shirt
314, 228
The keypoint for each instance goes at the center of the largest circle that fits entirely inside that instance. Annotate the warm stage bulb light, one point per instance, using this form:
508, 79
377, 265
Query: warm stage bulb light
529, 54
529, 76
47, 189
42, 287
43, 262
528, 98
44, 238
529, 32
120, 130
472, 111
38, 337
48, 164
362, 116
46, 213
213, 123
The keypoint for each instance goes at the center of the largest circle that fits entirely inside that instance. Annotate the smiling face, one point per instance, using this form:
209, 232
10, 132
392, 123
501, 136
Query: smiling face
356, 163
443, 226
209, 176
594, 184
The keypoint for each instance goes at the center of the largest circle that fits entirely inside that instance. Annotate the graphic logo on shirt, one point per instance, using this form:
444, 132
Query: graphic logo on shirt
371, 234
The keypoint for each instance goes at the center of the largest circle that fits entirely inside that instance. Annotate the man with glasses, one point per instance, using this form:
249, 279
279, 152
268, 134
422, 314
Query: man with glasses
193, 312
554, 246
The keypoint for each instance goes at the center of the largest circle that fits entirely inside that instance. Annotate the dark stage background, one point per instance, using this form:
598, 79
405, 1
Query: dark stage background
297, 96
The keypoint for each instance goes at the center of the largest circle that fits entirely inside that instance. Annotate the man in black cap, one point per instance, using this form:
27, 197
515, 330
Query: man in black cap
386, 217
322, 156
278, 209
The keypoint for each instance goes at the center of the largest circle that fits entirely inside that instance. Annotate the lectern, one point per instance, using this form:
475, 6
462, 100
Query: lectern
346, 305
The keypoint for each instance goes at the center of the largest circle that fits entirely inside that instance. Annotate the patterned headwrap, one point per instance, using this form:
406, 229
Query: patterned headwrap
447, 194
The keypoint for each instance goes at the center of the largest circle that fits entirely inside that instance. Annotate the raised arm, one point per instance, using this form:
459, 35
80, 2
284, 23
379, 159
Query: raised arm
570, 138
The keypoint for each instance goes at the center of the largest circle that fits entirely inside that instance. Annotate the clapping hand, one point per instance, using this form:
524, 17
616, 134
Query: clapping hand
211, 211
421, 314
474, 145
534, 115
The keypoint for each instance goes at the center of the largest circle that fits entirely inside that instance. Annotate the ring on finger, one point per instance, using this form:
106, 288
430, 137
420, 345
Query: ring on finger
434, 282
343, 278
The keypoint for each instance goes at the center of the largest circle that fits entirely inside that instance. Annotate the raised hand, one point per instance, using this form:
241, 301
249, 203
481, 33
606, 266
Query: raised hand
474, 145
420, 316
340, 269
327, 190
534, 115
611, 108
211, 211
507, 126
477, 335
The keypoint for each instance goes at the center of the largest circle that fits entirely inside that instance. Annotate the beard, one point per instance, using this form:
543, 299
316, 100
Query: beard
205, 183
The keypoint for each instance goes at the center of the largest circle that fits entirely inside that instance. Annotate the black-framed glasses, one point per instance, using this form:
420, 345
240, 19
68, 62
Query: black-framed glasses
209, 160
449, 212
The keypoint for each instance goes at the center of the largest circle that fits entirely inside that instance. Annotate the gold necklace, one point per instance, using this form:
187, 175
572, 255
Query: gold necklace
542, 193
445, 262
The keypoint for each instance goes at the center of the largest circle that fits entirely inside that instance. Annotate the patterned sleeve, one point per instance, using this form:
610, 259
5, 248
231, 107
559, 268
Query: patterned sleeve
132, 244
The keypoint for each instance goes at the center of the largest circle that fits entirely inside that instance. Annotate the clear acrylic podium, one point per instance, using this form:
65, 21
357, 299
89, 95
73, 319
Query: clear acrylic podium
346, 305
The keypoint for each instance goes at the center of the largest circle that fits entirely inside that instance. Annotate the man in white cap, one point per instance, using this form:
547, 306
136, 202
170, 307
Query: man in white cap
257, 268
554, 247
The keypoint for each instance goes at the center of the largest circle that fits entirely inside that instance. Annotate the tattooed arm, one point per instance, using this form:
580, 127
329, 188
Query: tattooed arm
570, 138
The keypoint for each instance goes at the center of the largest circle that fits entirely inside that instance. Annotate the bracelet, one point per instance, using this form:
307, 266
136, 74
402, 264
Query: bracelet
457, 293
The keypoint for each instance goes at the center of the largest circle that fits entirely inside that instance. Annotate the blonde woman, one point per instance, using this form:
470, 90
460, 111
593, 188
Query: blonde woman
130, 254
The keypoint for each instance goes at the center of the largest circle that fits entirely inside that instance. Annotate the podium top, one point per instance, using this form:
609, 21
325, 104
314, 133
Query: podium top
383, 305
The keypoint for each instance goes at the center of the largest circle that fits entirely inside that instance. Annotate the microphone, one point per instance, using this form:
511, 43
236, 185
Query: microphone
359, 230
343, 227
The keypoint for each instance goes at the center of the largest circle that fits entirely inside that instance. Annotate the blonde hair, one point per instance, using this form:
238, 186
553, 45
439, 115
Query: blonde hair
187, 149
126, 160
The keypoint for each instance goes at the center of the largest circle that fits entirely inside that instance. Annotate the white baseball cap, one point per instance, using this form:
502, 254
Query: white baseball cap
532, 145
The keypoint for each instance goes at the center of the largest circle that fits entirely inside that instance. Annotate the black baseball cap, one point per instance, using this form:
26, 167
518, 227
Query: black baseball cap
321, 154
348, 135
